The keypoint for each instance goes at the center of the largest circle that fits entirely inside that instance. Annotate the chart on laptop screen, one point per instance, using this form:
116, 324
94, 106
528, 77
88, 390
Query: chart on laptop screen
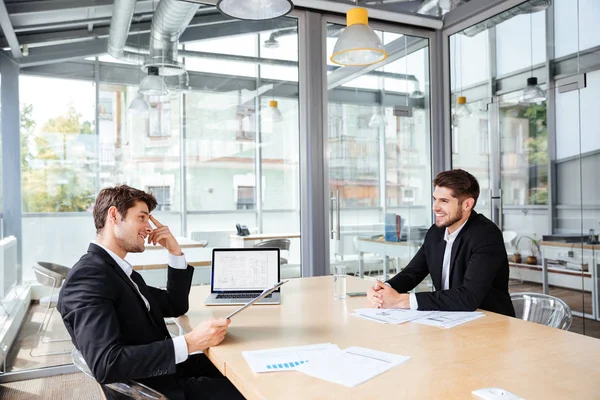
244, 270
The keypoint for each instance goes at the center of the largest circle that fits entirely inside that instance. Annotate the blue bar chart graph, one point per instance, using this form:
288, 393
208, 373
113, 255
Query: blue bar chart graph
287, 365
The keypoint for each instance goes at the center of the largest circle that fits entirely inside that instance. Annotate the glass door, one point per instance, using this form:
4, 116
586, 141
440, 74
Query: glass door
379, 157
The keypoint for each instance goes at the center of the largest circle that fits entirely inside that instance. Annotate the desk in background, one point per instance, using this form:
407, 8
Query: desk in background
250, 240
530, 360
155, 257
386, 249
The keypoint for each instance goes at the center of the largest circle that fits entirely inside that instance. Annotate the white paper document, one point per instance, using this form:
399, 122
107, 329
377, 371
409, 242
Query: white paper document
390, 315
441, 319
449, 319
287, 358
352, 366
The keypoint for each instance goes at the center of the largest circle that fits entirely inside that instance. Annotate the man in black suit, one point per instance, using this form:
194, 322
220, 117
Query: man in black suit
463, 252
117, 322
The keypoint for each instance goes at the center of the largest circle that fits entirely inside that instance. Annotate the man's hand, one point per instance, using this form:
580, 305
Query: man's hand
208, 334
383, 296
163, 236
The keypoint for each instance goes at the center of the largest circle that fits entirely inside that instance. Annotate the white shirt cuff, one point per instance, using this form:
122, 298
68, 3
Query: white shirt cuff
177, 262
181, 350
413, 301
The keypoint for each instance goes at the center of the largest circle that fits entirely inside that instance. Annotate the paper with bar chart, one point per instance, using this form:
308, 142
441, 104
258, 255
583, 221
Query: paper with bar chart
286, 358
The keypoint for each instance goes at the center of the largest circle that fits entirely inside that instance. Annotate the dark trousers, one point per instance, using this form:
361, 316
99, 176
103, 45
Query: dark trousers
200, 379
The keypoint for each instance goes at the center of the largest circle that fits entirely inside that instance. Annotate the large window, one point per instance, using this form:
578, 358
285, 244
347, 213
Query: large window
379, 148
535, 159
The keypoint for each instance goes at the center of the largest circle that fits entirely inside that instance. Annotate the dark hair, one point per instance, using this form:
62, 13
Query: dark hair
462, 183
123, 197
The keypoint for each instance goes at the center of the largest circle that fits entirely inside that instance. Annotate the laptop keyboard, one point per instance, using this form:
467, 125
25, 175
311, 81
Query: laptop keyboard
241, 296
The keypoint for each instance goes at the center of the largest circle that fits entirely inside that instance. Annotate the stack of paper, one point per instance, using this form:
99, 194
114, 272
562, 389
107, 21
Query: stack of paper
441, 319
352, 366
389, 316
449, 319
326, 361
286, 358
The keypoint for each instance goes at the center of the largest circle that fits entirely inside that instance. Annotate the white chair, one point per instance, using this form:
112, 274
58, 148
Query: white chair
53, 275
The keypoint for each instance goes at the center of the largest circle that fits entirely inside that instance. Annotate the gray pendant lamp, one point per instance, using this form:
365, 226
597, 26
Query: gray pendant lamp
255, 10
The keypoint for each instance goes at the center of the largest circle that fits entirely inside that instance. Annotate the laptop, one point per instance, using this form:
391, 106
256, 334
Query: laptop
240, 274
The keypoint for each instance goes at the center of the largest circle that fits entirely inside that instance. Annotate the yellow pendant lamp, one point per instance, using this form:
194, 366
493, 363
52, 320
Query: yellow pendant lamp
273, 113
358, 44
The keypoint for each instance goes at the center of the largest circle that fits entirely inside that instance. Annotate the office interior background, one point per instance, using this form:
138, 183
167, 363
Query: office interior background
346, 146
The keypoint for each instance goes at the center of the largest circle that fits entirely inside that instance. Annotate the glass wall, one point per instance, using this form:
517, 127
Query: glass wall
379, 157
213, 156
221, 152
536, 155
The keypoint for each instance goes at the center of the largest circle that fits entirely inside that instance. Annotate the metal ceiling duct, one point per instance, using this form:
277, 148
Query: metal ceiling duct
272, 43
168, 23
119, 30
525, 8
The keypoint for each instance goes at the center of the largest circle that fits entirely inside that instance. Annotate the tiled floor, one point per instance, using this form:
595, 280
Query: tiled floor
62, 387
29, 352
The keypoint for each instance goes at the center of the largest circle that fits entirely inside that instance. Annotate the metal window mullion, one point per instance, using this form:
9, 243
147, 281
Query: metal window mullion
551, 120
258, 153
12, 200
314, 188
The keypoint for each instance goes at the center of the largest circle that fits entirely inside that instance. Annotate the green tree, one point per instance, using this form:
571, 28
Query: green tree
68, 123
537, 145
52, 186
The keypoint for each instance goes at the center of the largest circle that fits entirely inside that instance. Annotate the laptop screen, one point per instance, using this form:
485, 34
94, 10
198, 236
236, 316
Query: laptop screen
238, 269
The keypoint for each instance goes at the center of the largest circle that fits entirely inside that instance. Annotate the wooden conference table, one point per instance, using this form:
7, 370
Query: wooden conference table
530, 360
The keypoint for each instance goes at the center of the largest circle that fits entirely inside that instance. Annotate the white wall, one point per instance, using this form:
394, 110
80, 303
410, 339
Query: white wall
513, 42
566, 23
578, 119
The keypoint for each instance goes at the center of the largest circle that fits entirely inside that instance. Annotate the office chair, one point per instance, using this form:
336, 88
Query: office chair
118, 390
281, 244
130, 389
53, 275
542, 309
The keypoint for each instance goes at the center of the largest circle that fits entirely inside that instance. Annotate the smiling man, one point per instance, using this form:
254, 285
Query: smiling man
463, 252
117, 322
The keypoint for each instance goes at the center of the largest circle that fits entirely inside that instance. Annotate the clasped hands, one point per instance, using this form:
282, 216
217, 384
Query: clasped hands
381, 295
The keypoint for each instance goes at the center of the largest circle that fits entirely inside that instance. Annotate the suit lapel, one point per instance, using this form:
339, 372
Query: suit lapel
110, 261
436, 268
453, 255
99, 251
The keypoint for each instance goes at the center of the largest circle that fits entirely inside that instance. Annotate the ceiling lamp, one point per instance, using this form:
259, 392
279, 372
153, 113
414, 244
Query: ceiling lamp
152, 84
533, 93
462, 108
255, 10
377, 120
358, 44
139, 104
272, 113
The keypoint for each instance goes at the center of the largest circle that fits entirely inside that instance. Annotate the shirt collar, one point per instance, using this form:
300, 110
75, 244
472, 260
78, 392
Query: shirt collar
125, 266
453, 235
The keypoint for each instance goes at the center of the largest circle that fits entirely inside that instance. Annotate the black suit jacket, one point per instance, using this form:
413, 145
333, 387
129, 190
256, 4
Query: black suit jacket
478, 270
111, 326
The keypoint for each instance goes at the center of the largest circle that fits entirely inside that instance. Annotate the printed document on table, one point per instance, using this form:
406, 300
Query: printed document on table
390, 315
286, 358
352, 366
449, 319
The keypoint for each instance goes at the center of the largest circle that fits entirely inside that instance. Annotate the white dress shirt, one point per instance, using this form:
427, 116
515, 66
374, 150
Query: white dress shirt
177, 262
449, 238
